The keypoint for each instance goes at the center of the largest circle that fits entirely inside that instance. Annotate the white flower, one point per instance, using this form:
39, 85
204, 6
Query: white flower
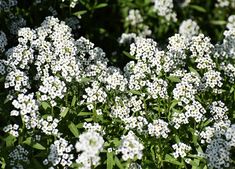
131, 147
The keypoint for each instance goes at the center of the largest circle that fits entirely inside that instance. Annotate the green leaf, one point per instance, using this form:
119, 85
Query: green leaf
171, 159
194, 71
79, 125
118, 163
38, 146
88, 119
85, 113
29, 142
110, 161
174, 79
128, 55
3, 163
72, 127
135, 92
73, 101
10, 140
79, 13
64, 113
102, 5
173, 104
198, 8
195, 163
218, 22
116, 142
84, 80
45, 105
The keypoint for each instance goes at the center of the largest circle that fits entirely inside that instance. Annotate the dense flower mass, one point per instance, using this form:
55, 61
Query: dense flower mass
66, 103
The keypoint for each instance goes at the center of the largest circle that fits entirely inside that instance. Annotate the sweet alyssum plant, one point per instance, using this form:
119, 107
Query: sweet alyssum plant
65, 107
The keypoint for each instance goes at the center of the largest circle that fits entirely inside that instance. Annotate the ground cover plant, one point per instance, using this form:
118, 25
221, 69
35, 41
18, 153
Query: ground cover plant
117, 84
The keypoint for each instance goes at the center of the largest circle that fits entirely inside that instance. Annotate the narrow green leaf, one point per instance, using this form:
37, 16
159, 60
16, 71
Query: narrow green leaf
110, 161
135, 92
102, 5
194, 71
45, 105
88, 119
173, 104
79, 13
84, 80
118, 163
38, 146
171, 159
79, 125
128, 55
72, 127
198, 8
64, 113
174, 79
218, 22
73, 101
85, 113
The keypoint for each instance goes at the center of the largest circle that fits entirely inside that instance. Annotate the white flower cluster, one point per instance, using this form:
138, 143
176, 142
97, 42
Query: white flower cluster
134, 17
137, 123
115, 80
229, 71
189, 28
177, 49
120, 109
52, 50
164, 8
181, 150
186, 90
137, 28
49, 126
89, 146
127, 38
212, 79
157, 88
130, 147
194, 111
201, 46
227, 49
93, 127
6, 5
218, 110
94, 94
27, 108
17, 156
12, 129
231, 22
51, 88
217, 153
60, 153
158, 128
3, 41
225, 3
230, 135
17, 79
